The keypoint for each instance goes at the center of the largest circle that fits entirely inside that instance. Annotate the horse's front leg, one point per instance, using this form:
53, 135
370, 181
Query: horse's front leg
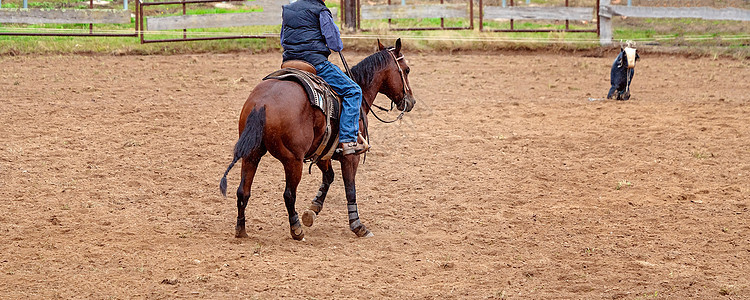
308, 217
293, 173
349, 165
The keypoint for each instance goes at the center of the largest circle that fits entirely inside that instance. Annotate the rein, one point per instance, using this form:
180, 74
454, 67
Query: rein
361, 113
400, 115
369, 106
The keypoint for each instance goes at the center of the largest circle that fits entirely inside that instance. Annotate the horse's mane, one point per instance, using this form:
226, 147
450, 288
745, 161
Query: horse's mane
365, 70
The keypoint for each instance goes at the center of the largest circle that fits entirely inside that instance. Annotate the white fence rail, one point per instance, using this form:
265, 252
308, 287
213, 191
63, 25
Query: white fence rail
607, 11
539, 13
378, 12
271, 15
64, 16
417, 11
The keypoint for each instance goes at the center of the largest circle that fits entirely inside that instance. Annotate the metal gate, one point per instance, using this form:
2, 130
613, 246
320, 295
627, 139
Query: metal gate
186, 21
462, 10
62, 15
514, 12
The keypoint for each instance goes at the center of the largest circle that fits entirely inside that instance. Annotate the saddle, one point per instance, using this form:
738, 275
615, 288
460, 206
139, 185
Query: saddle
321, 96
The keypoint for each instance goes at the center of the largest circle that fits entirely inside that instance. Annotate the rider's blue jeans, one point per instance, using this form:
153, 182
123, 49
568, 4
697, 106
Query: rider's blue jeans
351, 94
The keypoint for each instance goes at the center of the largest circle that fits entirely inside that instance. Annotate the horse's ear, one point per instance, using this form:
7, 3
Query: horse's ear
380, 46
398, 46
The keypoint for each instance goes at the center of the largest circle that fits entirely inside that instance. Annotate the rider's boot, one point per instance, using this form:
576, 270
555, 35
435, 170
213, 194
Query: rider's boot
358, 147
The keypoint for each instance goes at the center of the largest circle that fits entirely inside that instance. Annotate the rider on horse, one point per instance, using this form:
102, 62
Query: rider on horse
309, 34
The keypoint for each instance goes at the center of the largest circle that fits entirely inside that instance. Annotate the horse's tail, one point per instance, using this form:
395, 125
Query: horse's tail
250, 139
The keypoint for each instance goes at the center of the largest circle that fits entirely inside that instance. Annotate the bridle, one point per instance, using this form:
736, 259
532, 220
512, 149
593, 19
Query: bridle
406, 88
400, 71
369, 106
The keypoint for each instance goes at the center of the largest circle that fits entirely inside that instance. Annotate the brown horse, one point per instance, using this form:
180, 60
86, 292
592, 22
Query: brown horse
277, 118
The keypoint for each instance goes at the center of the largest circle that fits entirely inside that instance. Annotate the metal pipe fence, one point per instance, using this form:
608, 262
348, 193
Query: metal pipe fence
65, 15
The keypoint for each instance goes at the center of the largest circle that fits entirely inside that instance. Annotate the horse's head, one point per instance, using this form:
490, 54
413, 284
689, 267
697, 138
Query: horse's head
396, 82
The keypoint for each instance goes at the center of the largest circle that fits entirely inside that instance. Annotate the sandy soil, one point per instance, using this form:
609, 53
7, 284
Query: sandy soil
504, 182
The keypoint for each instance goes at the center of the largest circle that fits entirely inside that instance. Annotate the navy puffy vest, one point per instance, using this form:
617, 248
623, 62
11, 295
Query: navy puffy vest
302, 36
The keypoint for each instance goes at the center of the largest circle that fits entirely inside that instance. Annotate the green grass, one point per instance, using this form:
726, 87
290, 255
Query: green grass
414, 23
623, 183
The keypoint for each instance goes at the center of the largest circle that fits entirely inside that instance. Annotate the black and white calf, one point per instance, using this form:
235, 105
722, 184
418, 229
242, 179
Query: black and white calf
622, 73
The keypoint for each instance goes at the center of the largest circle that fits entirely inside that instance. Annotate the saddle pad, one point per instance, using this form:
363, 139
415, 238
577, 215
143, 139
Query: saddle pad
318, 91
321, 96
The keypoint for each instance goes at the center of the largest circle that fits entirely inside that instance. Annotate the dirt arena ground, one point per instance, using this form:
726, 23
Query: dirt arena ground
504, 182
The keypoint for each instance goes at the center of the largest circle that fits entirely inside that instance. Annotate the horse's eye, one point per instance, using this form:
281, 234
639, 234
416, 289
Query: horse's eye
407, 71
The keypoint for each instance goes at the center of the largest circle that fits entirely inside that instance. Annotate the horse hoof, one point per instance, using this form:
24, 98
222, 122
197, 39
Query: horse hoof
297, 233
298, 237
308, 217
316, 208
241, 234
362, 231
239, 229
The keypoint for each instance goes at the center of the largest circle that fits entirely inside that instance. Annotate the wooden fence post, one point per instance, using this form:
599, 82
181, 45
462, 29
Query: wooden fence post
350, 14
605, 26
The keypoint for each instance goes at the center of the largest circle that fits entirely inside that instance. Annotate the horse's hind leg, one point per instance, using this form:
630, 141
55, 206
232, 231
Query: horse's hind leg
249, 166
293, 172
308, 216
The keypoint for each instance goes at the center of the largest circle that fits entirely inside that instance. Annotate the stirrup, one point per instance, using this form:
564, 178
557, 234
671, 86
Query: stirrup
358, 147
353, 148
363, 141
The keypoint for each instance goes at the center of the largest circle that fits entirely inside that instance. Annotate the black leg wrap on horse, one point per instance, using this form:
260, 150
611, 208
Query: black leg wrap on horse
317, 202
295, 228
353, 212
354, 224
294, 220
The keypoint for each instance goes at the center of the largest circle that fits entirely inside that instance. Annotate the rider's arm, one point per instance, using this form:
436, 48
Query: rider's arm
330, 31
